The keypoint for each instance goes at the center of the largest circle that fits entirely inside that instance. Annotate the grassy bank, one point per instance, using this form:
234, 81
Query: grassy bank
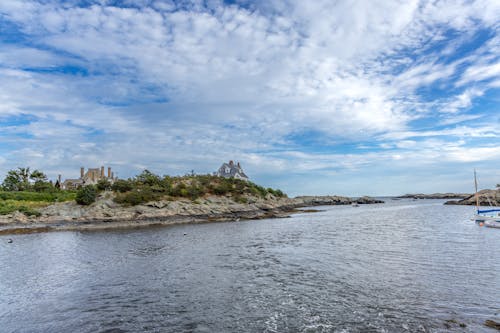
28, 202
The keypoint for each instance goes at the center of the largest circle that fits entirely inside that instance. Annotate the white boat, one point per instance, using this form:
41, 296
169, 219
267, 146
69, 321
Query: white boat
486, 217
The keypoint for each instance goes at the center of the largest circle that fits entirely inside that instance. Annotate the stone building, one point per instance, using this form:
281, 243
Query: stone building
231, 170
91, 177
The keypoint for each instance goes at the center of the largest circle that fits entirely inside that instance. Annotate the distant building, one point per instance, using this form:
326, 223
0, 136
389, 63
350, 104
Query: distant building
91, 177
231, 170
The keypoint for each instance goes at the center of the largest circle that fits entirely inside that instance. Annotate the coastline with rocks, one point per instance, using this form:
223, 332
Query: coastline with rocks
435, 196
485, 198
105, 213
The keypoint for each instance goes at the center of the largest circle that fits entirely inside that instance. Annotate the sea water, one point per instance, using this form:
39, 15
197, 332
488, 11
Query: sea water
402, 266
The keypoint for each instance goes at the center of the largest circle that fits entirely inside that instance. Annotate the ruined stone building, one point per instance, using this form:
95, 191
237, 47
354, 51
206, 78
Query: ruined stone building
231, 170
91, 177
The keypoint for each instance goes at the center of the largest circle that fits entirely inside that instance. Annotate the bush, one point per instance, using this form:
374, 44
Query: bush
103, 185
29, 211
86, 195
137, 197
122, 186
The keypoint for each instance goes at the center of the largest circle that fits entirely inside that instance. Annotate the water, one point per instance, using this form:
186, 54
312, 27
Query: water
404, 266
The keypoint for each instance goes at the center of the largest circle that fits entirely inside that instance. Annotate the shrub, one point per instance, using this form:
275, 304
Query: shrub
122, 186
86, 195
137, 197
29, 211
148, 178
103, 185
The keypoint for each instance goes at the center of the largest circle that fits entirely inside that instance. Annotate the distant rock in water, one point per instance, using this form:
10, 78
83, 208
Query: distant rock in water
367, 200
436, 196
486, 198
492, 324
329, 200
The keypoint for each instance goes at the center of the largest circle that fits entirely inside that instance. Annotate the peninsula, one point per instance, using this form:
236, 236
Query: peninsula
149, 199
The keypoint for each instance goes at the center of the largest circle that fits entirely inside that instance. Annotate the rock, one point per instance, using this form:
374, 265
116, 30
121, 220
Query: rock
322, 200
492, 324
368, 200
486, 198
10, 240
19, 217
436, 196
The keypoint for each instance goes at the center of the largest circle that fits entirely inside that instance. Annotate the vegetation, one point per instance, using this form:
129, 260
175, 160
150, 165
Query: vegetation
25, 191
148, 187
19, 180
26, 207
86, 195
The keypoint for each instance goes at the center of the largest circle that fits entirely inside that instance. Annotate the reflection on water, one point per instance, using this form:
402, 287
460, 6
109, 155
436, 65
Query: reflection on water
403, 266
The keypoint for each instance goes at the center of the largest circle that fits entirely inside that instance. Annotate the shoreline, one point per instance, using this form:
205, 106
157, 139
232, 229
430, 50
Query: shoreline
105, 215
101, 225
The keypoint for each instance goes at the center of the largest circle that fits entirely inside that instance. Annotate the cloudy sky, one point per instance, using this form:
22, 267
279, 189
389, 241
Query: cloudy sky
313, 97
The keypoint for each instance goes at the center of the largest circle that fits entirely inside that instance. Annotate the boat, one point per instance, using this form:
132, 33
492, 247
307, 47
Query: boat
486, 217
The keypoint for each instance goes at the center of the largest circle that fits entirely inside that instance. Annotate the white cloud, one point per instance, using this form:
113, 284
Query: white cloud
239, 82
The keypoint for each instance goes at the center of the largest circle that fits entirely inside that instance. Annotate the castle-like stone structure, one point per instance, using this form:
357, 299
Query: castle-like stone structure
91, 177
231, 170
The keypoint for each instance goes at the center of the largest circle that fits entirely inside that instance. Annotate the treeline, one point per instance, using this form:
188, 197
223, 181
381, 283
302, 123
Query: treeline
24, 179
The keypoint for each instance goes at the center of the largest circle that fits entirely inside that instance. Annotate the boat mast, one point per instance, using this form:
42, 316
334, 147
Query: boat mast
477, 197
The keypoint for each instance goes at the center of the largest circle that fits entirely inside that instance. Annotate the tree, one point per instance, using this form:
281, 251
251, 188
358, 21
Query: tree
41, 184
17, 180
38, 176
148, 178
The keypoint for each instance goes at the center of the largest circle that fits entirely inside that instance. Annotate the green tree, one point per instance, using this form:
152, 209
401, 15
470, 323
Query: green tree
37, 176
17, 180
148, 178
40, 181
86, 195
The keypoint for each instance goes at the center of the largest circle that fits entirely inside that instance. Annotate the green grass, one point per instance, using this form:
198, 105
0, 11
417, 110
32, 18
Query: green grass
29, 202
27, 207
58, 196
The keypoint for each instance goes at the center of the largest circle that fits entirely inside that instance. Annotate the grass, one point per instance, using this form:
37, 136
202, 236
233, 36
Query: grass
29, 202
58, 196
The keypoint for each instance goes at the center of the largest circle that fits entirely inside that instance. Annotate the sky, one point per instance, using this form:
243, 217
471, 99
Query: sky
313, 97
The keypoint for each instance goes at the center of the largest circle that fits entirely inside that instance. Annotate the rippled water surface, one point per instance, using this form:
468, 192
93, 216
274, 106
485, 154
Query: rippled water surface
403, 266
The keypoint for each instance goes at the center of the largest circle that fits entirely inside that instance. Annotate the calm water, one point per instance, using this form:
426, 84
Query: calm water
405, 266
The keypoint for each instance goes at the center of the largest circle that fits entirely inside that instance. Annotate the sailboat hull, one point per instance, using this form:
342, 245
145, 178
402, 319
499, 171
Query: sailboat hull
488, 221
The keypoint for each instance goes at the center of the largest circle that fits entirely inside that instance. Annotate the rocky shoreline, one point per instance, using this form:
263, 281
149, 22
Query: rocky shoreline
435, 196
485, 198
106, 214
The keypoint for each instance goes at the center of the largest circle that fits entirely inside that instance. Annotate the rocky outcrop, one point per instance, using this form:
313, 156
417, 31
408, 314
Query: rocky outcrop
486, 198
105, 213
334, 200
322, 200
436, 196
367, 201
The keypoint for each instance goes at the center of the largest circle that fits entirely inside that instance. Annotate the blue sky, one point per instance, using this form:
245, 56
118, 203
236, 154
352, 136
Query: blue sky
313, 97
